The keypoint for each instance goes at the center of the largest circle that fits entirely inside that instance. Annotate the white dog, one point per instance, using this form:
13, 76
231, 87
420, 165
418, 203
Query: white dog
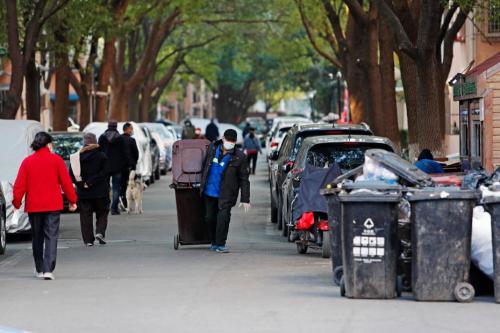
135, 189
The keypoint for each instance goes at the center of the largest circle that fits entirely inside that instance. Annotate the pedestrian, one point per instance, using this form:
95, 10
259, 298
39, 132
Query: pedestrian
427, 164
246, 129
111, 144
212, 131
225, 173
89, 173
188, 132
40, 179
131, 158
251, 146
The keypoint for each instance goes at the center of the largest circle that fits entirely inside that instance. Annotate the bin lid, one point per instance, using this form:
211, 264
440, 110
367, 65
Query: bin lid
491, 200
441, 193
369, 196
400, 167
375, 185
370, 191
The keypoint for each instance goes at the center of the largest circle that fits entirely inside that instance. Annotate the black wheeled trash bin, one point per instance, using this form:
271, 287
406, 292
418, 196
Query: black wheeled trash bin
441, 219
334, 218
369, 227
187, 168
492, 205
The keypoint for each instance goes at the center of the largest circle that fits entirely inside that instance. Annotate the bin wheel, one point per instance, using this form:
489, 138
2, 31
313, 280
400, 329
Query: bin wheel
301, 248
342, 287
326, 249
338, 274
176, 242
399, 285
289, 236
464, 292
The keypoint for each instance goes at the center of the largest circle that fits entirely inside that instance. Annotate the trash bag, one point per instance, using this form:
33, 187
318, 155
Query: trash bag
474, 179
481, 247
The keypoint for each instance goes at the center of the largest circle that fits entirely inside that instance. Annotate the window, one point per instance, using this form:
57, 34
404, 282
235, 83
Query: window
493, 19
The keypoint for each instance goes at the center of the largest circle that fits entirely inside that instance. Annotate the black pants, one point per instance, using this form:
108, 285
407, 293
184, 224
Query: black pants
99, 206
124, 185
217, 220
45, 232
252, 157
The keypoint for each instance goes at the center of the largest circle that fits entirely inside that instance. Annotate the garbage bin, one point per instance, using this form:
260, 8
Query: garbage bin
334, 217
187, 168
492, 205
441, 219
369, 228
190, 217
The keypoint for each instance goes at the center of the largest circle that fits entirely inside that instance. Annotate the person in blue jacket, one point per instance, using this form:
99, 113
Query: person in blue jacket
427, 164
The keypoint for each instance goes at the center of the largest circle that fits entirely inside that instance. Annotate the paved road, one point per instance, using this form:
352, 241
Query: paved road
138, 283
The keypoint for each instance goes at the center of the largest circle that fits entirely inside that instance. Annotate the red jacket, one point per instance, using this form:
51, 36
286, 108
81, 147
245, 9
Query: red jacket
41, 177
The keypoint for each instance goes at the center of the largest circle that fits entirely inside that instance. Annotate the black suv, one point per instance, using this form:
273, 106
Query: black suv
282, 161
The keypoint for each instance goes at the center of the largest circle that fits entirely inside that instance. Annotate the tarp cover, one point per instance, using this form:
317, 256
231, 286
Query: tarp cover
16, 137
312, 181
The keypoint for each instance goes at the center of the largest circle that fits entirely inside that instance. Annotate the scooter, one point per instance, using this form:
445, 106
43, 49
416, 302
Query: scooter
311, 231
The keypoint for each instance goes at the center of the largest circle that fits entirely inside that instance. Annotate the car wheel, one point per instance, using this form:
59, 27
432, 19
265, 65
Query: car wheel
3, 232
274, 211
279, 207
284, 230
302, 248
163, 172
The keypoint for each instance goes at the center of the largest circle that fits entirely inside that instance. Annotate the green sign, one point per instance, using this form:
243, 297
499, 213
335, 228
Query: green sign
464, 89
3, 51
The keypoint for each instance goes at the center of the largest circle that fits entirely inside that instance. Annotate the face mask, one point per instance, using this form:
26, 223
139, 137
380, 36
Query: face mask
228, 145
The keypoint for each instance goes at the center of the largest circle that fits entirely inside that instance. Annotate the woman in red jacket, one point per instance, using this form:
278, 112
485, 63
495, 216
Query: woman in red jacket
40, 178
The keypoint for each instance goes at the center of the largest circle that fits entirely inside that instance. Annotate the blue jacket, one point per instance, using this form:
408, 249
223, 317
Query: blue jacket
219, 164
429, 166
251, 143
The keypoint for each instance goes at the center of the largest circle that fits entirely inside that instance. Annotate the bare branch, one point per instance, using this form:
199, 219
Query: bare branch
446, 22
312, 39
334, 20
403, 41
355, 9
449, 40
241, 21
57, 6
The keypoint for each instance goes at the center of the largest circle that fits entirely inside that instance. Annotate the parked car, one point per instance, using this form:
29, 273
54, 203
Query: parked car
155, 154
65, 144
3, 222
282, 121
16, 137
144, 164
348, 152
284, 158
166, 139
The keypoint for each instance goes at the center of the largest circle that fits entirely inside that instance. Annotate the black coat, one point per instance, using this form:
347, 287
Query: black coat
212, 132
111, 143
93, 169
131, 151
234, 177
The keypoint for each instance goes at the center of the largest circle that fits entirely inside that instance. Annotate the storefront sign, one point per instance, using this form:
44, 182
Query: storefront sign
464, 89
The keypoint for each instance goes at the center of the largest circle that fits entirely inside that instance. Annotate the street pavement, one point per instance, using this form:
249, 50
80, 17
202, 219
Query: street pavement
139, 283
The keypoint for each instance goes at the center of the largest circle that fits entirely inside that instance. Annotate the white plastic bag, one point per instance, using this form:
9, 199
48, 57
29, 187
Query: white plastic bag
481, 249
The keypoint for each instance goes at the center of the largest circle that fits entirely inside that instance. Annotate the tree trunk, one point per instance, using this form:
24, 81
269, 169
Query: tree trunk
85, 108
32, 91
145, 103
430, 106
104, 77
119, 102
389, 110
409, 78
61, 107
134, 105
373, 93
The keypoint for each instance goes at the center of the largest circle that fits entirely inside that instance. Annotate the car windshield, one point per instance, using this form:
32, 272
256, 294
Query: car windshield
347, 155
67, 145
160, 130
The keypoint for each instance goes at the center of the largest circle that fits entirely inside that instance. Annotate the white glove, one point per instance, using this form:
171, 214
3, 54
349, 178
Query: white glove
246, 206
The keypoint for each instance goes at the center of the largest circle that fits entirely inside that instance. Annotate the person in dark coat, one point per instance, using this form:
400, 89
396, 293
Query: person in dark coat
40, 179
251, 146
246, 129
111, 144
132, 154
89, 173
212, 131
188, 132
225, 173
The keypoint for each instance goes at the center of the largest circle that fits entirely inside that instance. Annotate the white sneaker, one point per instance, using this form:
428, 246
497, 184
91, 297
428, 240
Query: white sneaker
49, 276
37, 274
100, 239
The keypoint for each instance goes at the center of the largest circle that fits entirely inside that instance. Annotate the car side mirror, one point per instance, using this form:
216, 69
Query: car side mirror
287, 167
273, 156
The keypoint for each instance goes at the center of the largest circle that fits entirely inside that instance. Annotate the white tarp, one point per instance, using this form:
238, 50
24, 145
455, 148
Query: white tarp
144, 164
16, 137
481, 247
